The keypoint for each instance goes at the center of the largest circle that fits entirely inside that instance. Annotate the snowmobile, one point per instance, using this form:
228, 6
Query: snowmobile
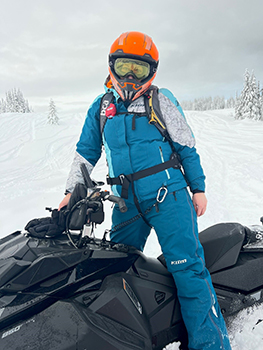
75, 291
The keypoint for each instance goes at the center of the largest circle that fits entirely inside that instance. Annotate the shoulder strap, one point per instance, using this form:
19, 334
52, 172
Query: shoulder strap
106, 100
154, 114
153, 110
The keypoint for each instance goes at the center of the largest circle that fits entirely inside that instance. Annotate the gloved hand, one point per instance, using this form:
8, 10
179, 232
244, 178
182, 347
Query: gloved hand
56, 225
51, 226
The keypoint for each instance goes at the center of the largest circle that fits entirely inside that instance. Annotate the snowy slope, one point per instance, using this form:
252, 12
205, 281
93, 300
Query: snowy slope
35, 159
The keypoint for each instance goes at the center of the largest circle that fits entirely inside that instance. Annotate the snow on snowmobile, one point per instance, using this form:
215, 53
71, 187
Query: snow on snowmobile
64, 289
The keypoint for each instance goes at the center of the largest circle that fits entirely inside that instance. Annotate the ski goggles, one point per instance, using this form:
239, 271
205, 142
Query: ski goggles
128, 66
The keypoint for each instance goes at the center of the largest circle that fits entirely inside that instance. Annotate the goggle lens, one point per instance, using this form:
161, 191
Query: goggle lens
125, 66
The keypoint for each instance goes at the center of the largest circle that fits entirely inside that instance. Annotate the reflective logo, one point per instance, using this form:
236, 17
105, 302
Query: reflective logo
11, 331
16, 329
178, 262
137, 106
104, 106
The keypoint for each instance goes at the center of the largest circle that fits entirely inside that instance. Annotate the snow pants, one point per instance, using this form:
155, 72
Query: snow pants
176, 227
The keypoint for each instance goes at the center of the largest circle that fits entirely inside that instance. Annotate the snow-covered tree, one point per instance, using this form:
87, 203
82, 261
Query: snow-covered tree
14, 102
198, 104
9, 102
218, 102
2, 106
208, 103
52, 115
187, 105
248, 104
230, 102
238, 108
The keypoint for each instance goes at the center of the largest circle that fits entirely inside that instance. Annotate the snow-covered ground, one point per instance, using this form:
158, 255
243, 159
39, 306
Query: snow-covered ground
35, 159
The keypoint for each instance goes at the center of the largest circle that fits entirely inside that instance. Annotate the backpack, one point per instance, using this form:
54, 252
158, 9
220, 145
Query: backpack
155, 117
152, 107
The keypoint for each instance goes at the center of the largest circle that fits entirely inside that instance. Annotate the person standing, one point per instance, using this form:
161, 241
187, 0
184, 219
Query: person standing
152, 161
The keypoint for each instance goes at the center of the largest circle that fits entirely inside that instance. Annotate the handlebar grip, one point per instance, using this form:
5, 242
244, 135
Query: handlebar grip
120, 201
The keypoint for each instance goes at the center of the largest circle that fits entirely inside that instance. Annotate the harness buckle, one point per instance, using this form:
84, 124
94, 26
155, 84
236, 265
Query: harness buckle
161, 196
121, 177
176, 159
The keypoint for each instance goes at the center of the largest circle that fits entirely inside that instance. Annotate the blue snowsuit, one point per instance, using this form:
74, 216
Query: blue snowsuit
132, 144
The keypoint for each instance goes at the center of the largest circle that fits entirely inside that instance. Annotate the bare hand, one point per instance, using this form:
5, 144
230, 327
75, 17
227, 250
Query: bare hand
200, 203
65, 201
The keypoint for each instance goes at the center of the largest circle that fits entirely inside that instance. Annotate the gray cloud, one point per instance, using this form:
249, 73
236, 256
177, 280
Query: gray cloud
59, 48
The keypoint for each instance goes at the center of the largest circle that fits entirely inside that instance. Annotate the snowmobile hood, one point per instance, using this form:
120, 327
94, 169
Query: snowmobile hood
26, 262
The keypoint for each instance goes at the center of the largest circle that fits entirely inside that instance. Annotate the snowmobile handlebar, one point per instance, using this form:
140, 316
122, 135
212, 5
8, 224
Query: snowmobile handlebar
90, 184
118, 200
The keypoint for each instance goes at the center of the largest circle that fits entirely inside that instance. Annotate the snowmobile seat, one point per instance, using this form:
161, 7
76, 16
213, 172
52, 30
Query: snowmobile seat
222, 244
153, 270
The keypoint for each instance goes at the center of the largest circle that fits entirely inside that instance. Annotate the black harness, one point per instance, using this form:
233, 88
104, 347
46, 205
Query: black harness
155, 117
126, 180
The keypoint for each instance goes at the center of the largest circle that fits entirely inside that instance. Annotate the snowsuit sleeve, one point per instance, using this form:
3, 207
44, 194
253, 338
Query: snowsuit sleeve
88, 149
183, 139
193, 170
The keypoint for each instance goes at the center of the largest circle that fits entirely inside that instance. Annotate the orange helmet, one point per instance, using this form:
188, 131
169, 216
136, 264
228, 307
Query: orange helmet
133, 62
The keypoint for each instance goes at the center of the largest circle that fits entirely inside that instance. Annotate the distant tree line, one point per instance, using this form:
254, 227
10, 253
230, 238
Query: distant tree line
208, 103
14, 102
248, 105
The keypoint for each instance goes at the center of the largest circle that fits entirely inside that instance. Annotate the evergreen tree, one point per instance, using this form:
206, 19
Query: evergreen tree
248, 104
207, 103
14, 102
230, 103
9, 102
197, 104
238, 108
187, 105
2, 106
218, 102
52, 116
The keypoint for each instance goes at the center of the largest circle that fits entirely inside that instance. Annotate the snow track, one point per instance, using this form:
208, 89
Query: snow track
232, 156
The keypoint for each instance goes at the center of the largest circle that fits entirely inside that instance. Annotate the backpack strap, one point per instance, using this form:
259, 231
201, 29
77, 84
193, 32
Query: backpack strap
154, 114
152, 107
106, 100
153, 110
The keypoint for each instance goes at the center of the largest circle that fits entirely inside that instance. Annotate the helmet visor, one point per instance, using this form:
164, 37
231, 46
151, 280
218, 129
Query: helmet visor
128, 66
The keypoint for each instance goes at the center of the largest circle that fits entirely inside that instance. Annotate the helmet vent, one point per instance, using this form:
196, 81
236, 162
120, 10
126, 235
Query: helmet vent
148, 41
122, 37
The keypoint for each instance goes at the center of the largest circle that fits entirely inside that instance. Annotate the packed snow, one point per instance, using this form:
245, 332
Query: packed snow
35, 159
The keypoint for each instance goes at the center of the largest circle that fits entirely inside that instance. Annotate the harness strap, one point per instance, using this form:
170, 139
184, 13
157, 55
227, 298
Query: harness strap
137, 204
125, 180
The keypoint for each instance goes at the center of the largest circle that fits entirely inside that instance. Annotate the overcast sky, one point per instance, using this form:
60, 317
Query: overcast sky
59, 48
